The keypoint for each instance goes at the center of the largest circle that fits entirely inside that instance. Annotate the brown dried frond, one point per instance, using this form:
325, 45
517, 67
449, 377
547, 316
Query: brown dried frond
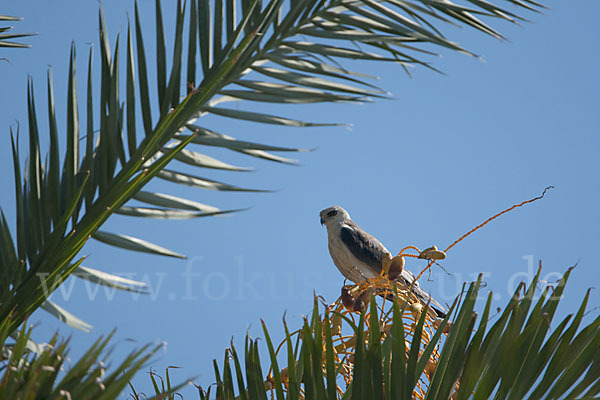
355, 299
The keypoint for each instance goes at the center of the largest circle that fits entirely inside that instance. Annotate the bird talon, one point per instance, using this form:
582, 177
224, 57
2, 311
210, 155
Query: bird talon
363, 259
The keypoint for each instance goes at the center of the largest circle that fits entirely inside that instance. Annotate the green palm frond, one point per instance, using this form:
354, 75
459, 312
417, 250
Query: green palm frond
6, 38
222, 52
522, 354
33, 372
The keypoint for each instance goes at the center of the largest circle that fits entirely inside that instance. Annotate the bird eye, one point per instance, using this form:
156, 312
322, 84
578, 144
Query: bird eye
332, 213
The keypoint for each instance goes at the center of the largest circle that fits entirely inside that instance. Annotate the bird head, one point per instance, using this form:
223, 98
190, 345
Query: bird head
333, 215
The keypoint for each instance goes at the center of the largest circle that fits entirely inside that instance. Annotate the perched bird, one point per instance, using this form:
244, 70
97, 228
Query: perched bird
360, 256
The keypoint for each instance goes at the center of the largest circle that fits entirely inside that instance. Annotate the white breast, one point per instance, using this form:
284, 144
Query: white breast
344, 260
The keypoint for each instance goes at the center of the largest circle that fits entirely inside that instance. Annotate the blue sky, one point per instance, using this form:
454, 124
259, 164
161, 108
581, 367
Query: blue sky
445, 154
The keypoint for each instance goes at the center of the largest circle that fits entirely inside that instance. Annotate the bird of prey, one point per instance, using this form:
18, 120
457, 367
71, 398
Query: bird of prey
360, 256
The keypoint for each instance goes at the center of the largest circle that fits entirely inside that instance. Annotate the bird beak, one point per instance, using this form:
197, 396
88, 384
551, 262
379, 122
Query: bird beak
322, 221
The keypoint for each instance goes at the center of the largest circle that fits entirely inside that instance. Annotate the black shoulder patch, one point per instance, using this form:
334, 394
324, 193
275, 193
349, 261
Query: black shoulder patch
363, 246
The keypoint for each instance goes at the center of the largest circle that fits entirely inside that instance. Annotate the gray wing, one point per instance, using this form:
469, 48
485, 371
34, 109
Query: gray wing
363, 246
407, 278
371, 252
